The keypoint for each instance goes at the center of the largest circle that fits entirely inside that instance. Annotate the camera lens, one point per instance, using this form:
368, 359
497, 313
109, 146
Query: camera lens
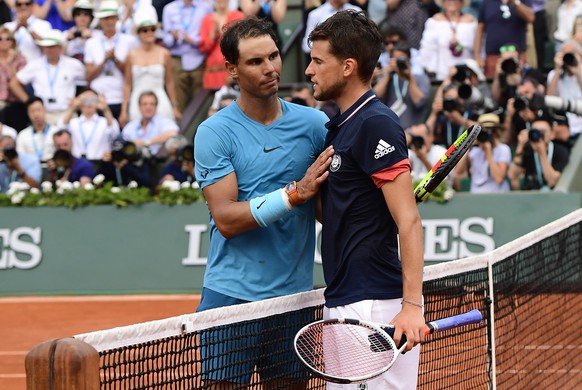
534, 135
461, 74
402, 63
417, 142
10, 154
569, 59
484, 135
520, 103
465, 91
449, 104
509, 65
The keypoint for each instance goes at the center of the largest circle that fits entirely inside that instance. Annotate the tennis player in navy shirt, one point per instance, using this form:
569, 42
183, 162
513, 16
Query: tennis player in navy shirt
369, 210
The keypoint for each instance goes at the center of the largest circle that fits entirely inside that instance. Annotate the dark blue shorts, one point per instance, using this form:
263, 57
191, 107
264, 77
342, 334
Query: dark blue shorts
231, 352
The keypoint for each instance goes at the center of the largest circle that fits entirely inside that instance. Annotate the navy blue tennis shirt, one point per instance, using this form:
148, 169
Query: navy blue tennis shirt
359, 237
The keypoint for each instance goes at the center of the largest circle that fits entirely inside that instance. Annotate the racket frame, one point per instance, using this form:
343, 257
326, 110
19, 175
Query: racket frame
471, 317
378, 332
446, 163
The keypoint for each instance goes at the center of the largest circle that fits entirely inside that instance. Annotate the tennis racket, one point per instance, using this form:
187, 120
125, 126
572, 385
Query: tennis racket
446, 163
345, 350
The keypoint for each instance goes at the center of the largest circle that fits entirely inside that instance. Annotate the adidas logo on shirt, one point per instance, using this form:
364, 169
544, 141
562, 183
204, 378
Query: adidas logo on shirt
383, 149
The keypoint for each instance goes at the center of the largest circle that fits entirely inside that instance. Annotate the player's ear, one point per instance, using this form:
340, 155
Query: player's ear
231, 69
350, 67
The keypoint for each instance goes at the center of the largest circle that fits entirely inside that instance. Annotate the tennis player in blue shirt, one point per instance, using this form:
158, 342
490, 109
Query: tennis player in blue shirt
368, 206
260, 162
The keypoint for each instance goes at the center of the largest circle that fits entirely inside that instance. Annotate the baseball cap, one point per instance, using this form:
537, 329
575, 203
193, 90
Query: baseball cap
489, 120
474, 67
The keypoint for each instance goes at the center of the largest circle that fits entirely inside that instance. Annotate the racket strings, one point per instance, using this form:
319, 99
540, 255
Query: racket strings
345, 350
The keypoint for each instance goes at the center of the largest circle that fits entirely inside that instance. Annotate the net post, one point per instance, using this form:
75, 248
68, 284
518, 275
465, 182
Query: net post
60, 364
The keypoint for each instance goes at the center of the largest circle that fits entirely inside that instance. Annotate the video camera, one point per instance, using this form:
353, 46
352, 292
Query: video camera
9, 154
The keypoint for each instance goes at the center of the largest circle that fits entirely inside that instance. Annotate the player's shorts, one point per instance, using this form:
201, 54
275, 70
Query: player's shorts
403, 374
231, 352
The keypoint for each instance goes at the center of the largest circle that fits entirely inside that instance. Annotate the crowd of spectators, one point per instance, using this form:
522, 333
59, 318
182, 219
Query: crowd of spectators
99, 86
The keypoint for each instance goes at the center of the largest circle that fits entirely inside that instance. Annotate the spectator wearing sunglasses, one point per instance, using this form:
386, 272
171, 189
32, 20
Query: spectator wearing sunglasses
498, 20
148, 68
27, 29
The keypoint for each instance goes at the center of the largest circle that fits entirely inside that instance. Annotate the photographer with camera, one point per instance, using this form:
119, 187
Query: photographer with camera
66, 167
522, 108
405, 92
125, 163
15, 167
488, 161
508, 74
422, 152
448, 117
181, 161
565, 81
538, 160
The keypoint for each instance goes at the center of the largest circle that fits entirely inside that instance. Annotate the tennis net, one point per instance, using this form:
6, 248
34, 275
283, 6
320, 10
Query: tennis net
529, 292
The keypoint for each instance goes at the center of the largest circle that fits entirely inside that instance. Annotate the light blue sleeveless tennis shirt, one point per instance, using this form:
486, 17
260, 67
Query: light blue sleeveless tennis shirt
276, 260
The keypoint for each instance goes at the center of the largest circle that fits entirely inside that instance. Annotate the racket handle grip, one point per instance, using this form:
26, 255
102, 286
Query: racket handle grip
470, 317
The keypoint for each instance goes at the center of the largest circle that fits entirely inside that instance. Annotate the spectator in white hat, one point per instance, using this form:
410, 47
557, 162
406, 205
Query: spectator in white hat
27, 29
78, 35
105, 55
54, 76
148, 68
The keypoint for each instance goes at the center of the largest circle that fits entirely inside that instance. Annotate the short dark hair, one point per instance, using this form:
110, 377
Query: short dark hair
403, 47
351, 34
60, 132
147, 93
33, 99
233, 33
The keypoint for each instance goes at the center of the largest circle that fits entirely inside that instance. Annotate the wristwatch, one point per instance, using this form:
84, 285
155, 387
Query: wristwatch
291, 190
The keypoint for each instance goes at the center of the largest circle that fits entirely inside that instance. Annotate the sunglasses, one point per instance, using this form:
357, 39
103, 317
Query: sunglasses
393, 42
147, 29
27, 4
507, 49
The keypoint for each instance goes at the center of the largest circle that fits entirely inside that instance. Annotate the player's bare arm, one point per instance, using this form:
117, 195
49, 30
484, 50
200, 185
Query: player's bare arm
402, 206
233, 217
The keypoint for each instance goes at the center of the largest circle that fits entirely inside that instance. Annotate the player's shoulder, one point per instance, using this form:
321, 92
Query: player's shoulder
303, 112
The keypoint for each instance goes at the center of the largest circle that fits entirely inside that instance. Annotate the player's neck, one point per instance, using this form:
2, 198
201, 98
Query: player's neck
262, 110
350, 95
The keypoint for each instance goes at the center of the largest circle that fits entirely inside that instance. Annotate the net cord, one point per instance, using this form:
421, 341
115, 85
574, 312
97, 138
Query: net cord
149, 331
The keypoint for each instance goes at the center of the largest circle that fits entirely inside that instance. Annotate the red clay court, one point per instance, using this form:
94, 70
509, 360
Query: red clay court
28, 321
